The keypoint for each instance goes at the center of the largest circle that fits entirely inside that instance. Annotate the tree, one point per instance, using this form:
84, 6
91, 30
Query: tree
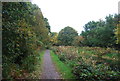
23, 31
42, 32
78, 41
67, 35
53, 38
90, 25
47, 24
100, 33
92, 31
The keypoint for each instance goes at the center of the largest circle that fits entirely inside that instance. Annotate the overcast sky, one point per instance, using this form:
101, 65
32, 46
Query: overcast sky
75, 13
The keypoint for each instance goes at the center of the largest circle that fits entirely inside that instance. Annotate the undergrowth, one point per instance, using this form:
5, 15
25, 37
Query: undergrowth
64, 70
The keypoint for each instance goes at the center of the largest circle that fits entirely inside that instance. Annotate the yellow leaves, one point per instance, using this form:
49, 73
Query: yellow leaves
117, 32
53, 38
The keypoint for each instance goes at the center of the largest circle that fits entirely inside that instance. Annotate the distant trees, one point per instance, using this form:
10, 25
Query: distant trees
78, 41
94, 33
67, 35
100, 33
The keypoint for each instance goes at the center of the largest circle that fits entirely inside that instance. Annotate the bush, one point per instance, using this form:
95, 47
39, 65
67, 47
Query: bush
84, 71
86, 64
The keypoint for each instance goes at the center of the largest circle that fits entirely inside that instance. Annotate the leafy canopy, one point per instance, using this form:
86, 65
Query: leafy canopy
67, 35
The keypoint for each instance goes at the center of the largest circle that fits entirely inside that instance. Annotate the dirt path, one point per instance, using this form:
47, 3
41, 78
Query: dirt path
48, 68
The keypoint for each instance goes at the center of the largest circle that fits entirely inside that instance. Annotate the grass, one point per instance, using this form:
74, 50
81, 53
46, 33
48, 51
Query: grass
63, 69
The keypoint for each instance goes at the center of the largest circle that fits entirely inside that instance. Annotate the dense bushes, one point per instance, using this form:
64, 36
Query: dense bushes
90, 63
24, 31
86, 71
100, 72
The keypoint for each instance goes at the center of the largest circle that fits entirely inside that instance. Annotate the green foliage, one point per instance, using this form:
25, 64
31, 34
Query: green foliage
24, 31
47, 24
100, 33
66, 36
39, 27
86, 65
101, 72
65, 71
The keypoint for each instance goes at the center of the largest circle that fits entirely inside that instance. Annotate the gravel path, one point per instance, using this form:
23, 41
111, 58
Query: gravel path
48, 68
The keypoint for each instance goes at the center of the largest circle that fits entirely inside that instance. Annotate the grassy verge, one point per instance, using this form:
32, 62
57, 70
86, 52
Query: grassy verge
37, 73
63, 69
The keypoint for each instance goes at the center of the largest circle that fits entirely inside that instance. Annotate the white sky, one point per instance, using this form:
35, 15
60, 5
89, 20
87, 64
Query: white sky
75, 13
